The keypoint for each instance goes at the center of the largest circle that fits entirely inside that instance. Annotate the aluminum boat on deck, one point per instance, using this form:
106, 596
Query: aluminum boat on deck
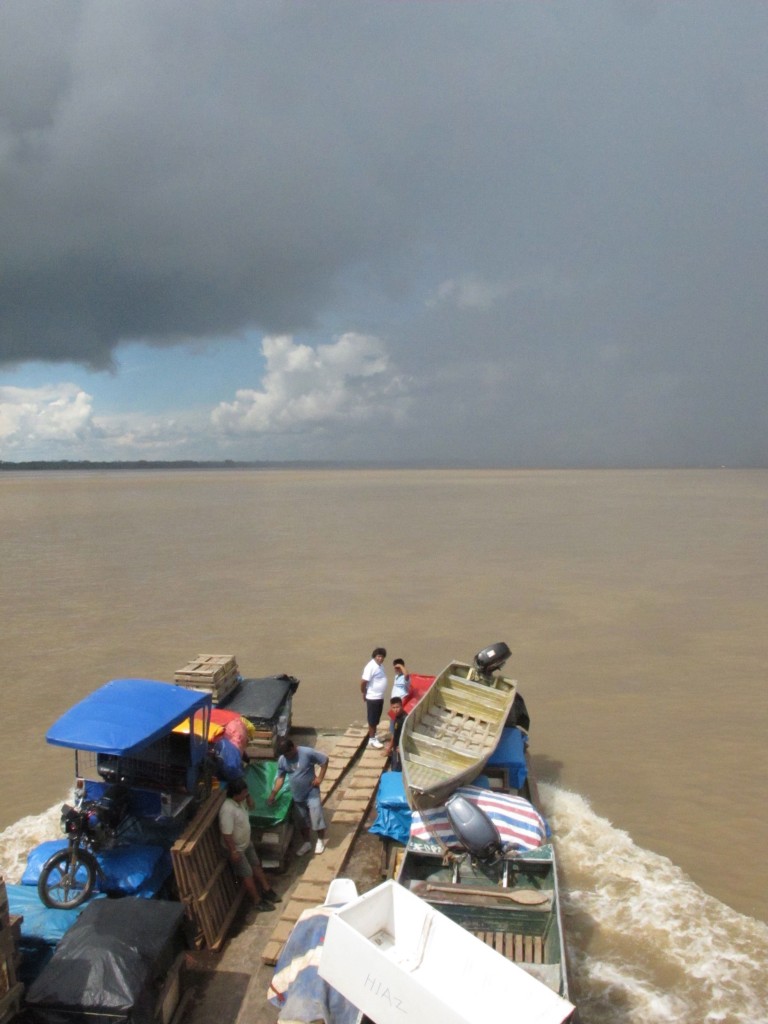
449, 735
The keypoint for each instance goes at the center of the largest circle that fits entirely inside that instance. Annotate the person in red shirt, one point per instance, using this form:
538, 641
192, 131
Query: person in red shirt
397, 715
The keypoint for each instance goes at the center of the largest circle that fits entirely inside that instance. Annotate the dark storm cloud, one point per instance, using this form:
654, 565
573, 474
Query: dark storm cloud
194, 170
580, 187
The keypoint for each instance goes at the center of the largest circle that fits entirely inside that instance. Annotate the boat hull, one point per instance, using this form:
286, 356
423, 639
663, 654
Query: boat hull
521, 921
448, 737
511, 903
394, 956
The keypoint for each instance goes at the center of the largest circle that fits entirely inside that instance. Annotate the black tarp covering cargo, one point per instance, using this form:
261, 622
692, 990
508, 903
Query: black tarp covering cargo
110, 966
261, 700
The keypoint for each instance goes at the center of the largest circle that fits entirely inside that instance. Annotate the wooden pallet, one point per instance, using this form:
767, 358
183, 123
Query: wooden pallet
207, 885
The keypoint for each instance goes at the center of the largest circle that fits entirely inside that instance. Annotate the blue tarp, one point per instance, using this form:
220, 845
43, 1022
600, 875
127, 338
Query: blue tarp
393, 815
41, 928
510, 754
131, 870
125, 715
40, 922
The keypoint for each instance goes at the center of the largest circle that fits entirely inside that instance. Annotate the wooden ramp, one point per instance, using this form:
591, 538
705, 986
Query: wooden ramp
344, 824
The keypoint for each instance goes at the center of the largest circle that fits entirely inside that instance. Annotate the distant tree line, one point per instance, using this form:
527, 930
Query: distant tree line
150, 464
238, 464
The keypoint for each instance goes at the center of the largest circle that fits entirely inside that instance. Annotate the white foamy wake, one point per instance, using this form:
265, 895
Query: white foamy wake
18, 839
646, 943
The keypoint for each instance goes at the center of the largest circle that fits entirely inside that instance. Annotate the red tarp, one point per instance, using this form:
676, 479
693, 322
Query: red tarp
419, 686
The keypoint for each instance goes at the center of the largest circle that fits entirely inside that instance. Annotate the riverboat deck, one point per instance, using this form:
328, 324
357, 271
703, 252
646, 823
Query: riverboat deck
232, 984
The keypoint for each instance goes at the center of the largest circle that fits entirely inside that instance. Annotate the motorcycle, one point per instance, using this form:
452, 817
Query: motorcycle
135, 773
68, 878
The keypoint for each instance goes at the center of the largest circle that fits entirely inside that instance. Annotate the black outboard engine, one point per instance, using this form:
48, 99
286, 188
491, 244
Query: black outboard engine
474, 829
491, 659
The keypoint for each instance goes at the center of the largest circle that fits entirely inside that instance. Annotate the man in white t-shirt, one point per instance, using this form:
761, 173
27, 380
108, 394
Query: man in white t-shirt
373, 686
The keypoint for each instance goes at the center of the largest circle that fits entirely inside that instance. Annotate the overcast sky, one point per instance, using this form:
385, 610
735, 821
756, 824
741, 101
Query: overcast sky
505, 233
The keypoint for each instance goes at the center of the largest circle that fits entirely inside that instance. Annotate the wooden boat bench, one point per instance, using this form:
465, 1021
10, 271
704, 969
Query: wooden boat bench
468, 704
422, 739
485, 692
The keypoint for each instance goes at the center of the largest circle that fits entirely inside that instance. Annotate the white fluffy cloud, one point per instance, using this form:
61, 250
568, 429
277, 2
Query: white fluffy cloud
54, 414
306, 394
350, 380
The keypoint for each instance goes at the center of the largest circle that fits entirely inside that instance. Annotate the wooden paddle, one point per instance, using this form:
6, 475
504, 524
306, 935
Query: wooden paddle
530, 897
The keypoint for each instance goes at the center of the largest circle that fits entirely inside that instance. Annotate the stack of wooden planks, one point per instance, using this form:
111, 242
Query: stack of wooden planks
216, 674
206, 882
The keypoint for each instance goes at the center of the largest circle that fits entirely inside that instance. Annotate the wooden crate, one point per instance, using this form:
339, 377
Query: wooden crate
216, 674
273, 846
262, 744
266, 735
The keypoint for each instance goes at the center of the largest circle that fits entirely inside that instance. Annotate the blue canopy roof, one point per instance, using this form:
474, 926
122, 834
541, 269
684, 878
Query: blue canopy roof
125, 715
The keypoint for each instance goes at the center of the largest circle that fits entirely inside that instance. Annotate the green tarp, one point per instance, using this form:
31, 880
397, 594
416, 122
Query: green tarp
260, 777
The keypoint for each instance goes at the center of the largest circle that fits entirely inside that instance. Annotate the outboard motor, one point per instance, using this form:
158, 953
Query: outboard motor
474, 829
491, 659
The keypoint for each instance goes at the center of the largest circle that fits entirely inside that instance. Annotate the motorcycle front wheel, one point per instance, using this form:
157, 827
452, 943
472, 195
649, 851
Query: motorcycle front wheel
67, 879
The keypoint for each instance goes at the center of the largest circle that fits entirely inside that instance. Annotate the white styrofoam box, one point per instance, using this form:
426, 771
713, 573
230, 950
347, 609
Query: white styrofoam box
397, 959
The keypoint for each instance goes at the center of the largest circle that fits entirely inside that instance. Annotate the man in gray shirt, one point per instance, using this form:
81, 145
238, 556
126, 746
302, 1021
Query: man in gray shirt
298, 765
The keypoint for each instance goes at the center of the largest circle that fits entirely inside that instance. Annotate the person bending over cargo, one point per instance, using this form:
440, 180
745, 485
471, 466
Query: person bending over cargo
235, 828
298, 764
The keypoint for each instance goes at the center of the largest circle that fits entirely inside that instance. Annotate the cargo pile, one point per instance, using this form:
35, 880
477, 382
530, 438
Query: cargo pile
216, 674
